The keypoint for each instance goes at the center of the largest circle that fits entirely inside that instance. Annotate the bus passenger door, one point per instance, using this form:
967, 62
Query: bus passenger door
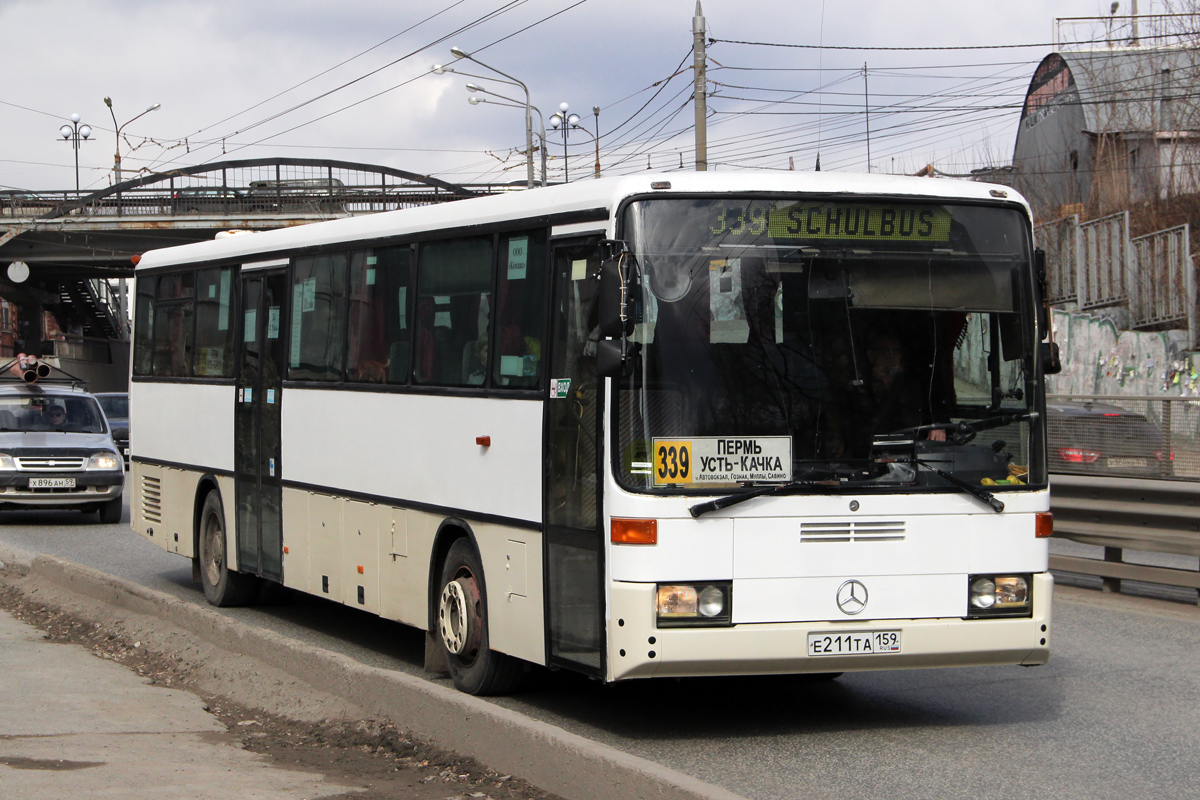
258, 485
574, 547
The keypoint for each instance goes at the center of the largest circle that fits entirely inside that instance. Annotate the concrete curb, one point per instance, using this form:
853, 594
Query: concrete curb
547, 756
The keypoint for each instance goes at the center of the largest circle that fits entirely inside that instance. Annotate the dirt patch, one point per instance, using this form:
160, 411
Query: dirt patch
373, 754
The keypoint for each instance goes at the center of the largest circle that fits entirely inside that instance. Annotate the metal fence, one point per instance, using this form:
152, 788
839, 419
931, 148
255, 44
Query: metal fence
1105, 261
1096, 264
1164, 279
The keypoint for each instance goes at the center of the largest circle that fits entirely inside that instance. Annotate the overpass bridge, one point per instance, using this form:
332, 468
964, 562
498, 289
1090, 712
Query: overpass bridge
60, 251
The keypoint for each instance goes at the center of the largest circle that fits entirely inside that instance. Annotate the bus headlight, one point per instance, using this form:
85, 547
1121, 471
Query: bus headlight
6, 462
999, 596
687, 604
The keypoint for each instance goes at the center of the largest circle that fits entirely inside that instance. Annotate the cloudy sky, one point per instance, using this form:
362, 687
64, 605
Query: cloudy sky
352, 80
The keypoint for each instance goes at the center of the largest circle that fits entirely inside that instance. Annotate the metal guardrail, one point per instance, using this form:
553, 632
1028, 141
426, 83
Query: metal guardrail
1121, 514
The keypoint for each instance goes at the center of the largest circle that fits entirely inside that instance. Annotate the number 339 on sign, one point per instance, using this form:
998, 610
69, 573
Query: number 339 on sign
672, 462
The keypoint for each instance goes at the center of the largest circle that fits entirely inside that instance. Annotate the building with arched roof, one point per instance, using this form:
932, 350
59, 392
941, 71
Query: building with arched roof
1102, 130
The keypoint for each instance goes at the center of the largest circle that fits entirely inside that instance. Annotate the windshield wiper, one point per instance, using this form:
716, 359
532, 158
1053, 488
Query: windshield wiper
741, 497
978, 492
963, 432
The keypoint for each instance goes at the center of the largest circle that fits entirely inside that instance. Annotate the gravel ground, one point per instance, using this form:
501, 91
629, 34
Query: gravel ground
374, 754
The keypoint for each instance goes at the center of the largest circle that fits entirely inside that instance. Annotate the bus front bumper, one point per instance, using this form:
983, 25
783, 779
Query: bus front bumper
640, 649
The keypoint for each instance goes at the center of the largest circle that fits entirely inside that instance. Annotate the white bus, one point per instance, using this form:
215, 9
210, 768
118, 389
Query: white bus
677, 425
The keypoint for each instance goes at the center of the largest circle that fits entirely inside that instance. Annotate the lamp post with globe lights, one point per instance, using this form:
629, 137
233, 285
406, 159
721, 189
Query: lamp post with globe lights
562, 120
75, 133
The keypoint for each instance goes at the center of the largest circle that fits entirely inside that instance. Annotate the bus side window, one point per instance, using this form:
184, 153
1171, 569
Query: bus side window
173, 325
453, 311
143, 325
318, 318
214, 324
378, 345
520, 310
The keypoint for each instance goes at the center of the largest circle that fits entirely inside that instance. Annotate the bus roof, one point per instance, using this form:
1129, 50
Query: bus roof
580, 196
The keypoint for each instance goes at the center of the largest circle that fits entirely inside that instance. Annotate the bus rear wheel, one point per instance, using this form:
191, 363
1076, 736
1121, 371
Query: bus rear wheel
462, 628
222, 586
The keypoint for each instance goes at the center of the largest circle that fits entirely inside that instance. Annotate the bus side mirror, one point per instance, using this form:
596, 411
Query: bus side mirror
1051, 361
616, 299
611, 362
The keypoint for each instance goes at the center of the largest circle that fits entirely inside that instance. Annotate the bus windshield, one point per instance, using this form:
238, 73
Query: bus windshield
826, 343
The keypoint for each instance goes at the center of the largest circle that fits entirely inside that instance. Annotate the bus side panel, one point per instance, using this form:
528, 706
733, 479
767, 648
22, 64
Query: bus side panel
360, 553
297, 555
325, 546
402, 580
183, 424
161, 506
512, 566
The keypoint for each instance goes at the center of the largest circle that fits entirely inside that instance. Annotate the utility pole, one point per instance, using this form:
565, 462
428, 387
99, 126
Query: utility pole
867, 108
698, 34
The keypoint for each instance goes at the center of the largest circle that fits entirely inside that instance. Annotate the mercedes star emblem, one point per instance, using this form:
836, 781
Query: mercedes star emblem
852, 597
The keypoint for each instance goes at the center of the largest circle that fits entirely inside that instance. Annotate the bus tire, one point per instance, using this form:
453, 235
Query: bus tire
462, 627
222, 586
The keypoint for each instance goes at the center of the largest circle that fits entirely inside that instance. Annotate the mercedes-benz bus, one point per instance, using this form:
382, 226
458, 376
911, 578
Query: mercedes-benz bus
659, 425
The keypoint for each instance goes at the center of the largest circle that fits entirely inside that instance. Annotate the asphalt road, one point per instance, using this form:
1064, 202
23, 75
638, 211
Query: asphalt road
1115, 714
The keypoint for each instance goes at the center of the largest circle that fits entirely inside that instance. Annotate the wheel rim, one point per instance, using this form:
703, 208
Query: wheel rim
459, 617
213, 550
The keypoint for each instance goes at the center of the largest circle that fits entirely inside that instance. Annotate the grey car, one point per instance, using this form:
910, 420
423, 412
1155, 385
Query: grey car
57, 451
116, 411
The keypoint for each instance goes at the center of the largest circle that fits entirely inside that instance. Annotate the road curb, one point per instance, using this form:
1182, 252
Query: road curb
547, 756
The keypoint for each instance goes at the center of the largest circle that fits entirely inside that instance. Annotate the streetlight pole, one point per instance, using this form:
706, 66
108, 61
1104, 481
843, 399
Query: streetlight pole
118, 129
117, 154
74, 133
459, 53
473, 100
566, 122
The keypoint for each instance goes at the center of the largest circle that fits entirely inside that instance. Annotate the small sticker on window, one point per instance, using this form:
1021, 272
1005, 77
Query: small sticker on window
518, 257
560, 388
579, 269
310, 295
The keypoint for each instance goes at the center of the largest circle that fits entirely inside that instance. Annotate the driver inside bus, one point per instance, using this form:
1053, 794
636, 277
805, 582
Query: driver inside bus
899, 399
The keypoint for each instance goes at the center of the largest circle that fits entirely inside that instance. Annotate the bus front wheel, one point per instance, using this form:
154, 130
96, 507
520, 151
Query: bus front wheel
222, 586
462, 627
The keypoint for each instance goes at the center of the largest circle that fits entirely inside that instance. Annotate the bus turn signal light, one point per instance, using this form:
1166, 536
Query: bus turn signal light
634, 531
1045, 525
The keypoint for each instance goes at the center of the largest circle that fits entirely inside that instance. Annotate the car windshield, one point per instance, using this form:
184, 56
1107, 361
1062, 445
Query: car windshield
46, 413
116, 406
877, 343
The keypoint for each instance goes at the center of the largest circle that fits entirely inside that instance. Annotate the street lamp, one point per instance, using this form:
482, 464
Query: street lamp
474, 100
119, 128
459, 53
565, 121
75, 133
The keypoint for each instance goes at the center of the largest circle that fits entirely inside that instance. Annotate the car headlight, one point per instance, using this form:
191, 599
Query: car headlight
999, 596
105, 461
6, 462
687, 604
